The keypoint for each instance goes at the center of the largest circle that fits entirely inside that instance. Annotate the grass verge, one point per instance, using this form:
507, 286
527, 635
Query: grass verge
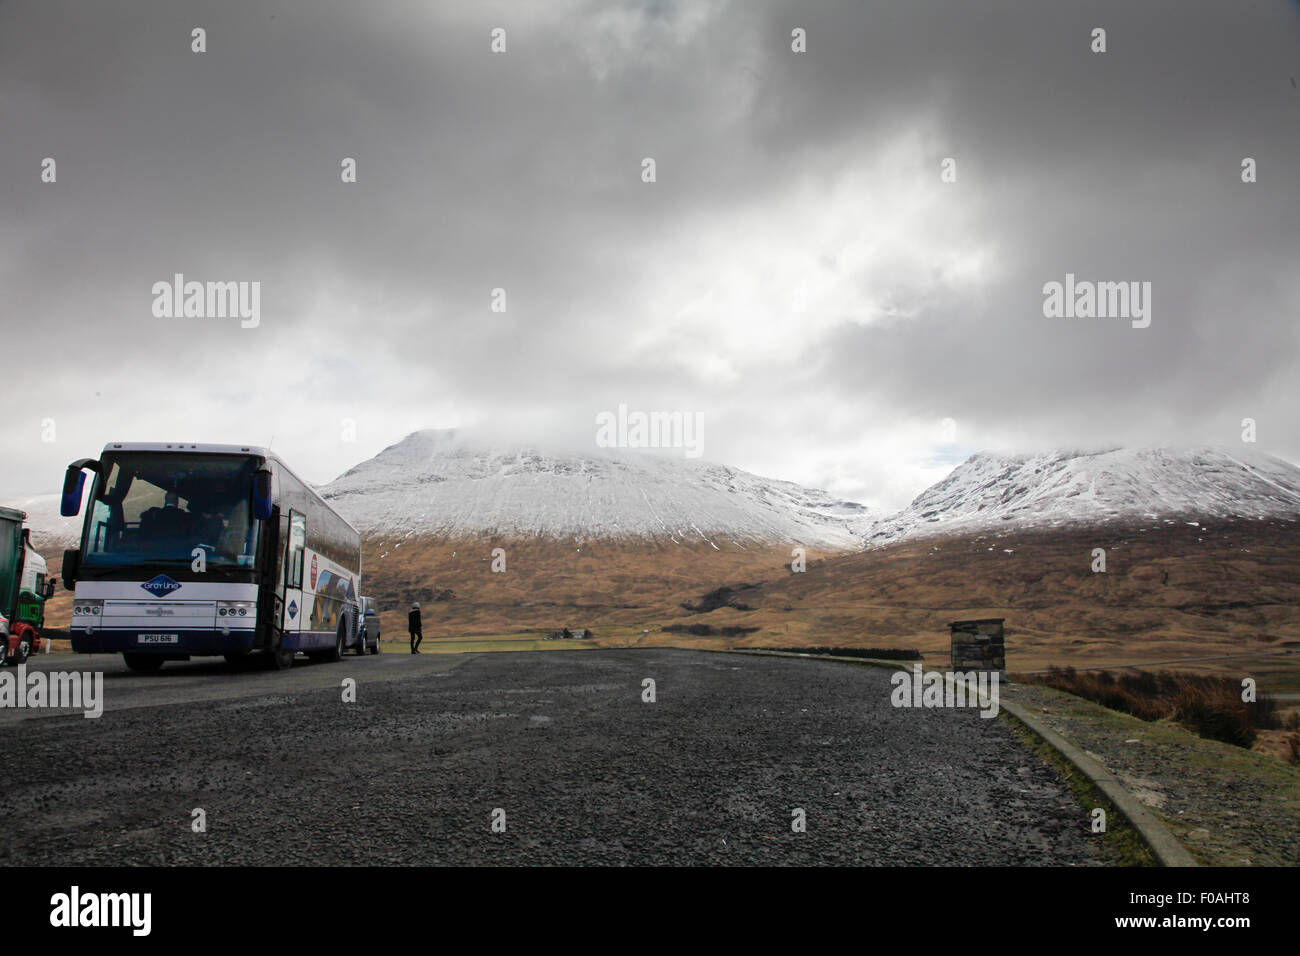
1120, 841
1229, 806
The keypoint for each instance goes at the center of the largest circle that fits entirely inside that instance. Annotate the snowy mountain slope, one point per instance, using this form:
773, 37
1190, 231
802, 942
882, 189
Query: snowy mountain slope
51, 532
1071, 487
445, 483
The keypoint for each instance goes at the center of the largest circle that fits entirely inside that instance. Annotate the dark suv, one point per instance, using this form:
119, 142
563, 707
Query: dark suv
368, 628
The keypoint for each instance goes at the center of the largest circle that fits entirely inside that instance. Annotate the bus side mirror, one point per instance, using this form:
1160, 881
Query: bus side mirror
71, 565
49, 589
74, 480
262, 494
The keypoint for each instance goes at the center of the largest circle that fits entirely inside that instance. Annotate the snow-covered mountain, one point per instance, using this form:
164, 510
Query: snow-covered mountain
51, 532
446, 483
1075, 487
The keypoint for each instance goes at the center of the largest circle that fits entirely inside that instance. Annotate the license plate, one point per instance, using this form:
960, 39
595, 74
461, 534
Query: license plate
158, 639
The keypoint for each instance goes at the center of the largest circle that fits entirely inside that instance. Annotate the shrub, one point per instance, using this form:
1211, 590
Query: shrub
708, 630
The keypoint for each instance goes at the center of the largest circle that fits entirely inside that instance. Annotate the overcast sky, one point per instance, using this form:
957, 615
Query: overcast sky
798, 274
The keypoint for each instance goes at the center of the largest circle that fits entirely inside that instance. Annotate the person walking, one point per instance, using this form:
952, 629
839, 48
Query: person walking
413, 625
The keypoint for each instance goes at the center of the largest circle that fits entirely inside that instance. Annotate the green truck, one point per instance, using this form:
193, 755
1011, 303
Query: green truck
25, 586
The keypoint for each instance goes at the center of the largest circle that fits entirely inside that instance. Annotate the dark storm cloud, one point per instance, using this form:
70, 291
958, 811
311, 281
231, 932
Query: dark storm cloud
522, 171
1116, 166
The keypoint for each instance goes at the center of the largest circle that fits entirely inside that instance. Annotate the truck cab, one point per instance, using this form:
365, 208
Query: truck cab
25, 586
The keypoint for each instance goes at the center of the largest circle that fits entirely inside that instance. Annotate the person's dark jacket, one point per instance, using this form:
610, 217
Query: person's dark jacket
413, 620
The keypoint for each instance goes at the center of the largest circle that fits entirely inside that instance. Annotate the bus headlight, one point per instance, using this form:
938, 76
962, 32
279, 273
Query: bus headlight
244, 610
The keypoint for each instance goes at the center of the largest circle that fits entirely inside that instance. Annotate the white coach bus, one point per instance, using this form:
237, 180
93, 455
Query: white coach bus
192, 550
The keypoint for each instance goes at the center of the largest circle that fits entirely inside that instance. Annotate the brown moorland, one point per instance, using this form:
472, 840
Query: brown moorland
1171, 591
605, 585
1200, 597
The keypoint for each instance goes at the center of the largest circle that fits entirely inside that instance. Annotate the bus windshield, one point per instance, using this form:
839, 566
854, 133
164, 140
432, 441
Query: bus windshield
170, 508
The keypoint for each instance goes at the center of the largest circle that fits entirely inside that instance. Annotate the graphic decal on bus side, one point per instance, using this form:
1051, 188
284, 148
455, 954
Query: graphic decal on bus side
333, 591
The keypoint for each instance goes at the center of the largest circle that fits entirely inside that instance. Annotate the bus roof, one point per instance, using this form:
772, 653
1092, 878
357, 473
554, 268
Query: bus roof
186, 446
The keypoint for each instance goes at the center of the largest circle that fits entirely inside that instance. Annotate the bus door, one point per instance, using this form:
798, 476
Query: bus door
294, 611
270, 575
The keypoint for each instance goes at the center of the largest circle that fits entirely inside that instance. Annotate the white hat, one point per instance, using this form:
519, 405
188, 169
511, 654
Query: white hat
416, 605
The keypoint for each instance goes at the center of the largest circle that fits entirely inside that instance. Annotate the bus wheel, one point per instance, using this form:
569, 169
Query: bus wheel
144, 663
337, 653
280, 658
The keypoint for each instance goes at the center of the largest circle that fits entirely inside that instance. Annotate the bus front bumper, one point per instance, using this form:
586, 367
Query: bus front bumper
180, 643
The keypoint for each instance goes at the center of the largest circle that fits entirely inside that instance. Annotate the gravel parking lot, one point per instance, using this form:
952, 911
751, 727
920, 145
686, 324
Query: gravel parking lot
584, 771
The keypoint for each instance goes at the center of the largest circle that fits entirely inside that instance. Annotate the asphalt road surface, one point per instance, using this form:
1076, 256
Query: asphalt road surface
558, 745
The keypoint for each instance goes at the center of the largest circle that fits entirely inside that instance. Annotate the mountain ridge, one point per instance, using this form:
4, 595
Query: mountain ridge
457, 485
1067, 488
447, 483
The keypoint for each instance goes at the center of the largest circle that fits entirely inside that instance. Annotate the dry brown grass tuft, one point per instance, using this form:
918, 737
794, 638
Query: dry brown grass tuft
1209, 706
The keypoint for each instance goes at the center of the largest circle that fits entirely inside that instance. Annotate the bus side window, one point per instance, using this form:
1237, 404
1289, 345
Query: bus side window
297, 541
